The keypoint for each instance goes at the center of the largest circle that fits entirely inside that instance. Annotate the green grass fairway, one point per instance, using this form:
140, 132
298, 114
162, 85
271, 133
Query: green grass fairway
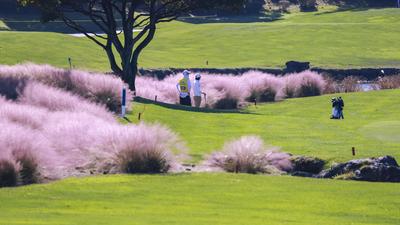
388, 131
299, 126
356, 38
201, 199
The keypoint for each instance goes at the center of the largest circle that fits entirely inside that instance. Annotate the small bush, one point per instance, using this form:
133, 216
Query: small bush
8, 173
248, 155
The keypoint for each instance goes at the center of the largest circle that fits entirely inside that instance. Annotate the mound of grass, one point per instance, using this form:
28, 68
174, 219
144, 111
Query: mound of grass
201, 199
334, 39
300, 126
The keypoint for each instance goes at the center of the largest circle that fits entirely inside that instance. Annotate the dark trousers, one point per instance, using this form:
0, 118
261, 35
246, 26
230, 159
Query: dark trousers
185, 101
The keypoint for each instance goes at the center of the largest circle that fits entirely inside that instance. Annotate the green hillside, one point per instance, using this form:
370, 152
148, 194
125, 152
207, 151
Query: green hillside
329, 38
299, 126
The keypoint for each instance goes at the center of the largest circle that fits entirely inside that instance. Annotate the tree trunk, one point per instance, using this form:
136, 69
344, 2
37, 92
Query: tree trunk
129, 75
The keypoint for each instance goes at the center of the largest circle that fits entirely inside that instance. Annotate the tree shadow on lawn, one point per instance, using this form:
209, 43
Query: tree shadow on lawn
190, 109
29, 19
261, 17
348, 8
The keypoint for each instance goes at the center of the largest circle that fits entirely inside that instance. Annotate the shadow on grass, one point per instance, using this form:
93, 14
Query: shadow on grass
261, 17
17, 18
189, 109
348, 8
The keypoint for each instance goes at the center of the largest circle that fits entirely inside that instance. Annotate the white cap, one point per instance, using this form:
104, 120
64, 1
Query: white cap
198, 76
186, 73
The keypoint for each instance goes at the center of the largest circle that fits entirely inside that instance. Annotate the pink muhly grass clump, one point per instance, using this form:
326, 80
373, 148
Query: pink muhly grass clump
165, 90
53, 99
230, 92
25, 148
249, 155
303, 84
99, 88
147, 149
24, 115
263, 87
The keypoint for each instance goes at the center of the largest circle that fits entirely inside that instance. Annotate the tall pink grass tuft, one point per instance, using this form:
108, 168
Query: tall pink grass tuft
263, 87
229, 91
303, 84
23, 115
53, 99
147, 149
23, 147
249, 155
50, 134
100, 88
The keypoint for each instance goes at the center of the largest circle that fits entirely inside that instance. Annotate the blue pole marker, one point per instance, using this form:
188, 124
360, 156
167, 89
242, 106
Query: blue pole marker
123, 101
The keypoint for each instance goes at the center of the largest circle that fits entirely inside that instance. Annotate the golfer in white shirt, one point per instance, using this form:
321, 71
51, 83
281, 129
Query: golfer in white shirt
197, 90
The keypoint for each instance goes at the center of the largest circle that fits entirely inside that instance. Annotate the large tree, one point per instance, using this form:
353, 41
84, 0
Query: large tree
118, 19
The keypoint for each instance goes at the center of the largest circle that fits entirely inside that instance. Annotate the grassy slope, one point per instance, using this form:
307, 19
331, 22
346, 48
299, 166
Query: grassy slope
3, 25
362, 38
201, 199
299, 126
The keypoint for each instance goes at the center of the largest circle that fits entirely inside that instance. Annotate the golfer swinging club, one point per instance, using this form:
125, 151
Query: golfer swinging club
184, 86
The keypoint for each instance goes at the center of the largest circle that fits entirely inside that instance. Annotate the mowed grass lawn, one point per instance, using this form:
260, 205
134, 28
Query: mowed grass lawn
346, 39
201, 199
298, 126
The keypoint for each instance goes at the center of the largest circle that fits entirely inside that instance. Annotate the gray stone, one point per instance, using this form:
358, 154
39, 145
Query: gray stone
382, 169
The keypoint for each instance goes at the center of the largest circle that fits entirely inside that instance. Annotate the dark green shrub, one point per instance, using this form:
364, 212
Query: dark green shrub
28, 172
226, 103
8, 174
